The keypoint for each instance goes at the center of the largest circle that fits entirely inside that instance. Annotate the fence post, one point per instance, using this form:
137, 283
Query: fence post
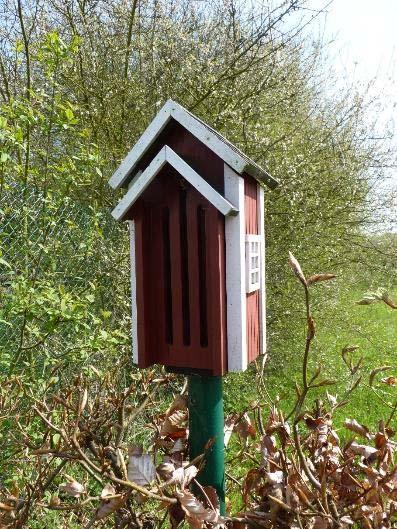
206, 423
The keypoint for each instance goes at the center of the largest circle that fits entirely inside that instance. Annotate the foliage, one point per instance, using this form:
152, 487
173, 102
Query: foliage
81, 463
79, 91
79, 81
61, 307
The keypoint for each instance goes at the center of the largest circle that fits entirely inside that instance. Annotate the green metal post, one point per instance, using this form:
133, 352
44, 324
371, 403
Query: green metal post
206, 422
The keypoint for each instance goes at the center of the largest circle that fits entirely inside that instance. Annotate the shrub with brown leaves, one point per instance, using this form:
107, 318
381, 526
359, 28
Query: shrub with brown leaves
82, 464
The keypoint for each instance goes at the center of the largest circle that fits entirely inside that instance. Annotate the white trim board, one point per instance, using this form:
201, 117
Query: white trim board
214, 141
262, 290
236, 303
134, 308
167, 155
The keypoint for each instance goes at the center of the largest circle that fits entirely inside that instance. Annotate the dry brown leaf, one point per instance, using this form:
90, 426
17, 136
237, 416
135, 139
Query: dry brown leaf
176, 514
83, 401
179, 404
375, 371
108, 490
141, 469
356, 427
108, 507
212, 497
296, 268
387, 299
275, 478
390, 381
350, 349
195, 509
268, 449
311, 328
183, 476
319, 277
73, 489
245, 428
165, 470
321, 523
54, 500
363, 450
367, 300
251, 482
5, 507
174, 425
332, 399
228, 429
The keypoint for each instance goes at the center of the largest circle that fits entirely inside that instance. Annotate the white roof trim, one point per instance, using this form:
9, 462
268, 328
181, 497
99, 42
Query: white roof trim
229, 154
167, 155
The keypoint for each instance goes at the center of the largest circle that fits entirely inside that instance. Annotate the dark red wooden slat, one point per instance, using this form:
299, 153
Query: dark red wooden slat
142, 301
251, 204
176, 272
202, 227
193, 201
157, 282
251, 227
166, 269
216, 287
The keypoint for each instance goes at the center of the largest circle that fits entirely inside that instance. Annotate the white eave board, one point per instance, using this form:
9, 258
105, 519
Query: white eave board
213, 140
167, 155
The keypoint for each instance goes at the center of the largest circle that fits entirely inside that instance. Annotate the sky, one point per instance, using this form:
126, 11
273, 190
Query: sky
362, 50
365, 33
362, 38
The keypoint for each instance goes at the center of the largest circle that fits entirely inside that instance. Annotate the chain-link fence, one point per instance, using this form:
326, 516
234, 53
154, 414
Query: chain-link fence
63, 279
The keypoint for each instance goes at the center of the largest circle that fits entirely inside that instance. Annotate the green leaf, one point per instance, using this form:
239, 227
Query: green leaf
69, 114
4, 263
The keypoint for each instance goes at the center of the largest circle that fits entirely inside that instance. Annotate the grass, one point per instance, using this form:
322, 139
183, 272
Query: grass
373, 328
340, 322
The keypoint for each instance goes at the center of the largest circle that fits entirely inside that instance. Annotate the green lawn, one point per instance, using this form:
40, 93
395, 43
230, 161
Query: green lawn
341, 322
373, 328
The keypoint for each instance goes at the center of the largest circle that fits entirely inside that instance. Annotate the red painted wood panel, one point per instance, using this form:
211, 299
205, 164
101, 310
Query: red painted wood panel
253, 345
193, 202
141, 286
251, 194
208, 165
153, 347
251, 204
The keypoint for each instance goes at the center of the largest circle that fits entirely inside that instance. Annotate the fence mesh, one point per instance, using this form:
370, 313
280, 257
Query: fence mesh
63, 277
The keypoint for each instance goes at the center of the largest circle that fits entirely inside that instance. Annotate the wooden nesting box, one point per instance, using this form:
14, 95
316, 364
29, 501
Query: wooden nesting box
194, 203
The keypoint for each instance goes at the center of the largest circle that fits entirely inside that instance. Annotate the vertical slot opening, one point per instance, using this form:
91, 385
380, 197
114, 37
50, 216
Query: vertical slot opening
184, 266
202, 257
167, 276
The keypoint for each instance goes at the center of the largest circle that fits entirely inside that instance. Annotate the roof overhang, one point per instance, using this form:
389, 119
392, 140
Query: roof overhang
167, 155
212, 139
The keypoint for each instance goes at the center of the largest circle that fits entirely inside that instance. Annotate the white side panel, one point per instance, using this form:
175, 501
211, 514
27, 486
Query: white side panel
235, 274
134, 309
262, 292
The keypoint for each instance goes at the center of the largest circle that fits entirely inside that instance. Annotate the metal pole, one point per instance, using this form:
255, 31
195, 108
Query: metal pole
206, 422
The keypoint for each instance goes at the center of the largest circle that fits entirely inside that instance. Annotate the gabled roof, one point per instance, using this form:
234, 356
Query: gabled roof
230, 154
167, 155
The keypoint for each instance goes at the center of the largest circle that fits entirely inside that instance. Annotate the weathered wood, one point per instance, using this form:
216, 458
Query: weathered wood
235, 274
198, 294
202, 132
167, 155
251, 227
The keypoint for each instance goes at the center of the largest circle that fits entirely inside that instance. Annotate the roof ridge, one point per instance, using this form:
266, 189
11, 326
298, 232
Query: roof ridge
221, 146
